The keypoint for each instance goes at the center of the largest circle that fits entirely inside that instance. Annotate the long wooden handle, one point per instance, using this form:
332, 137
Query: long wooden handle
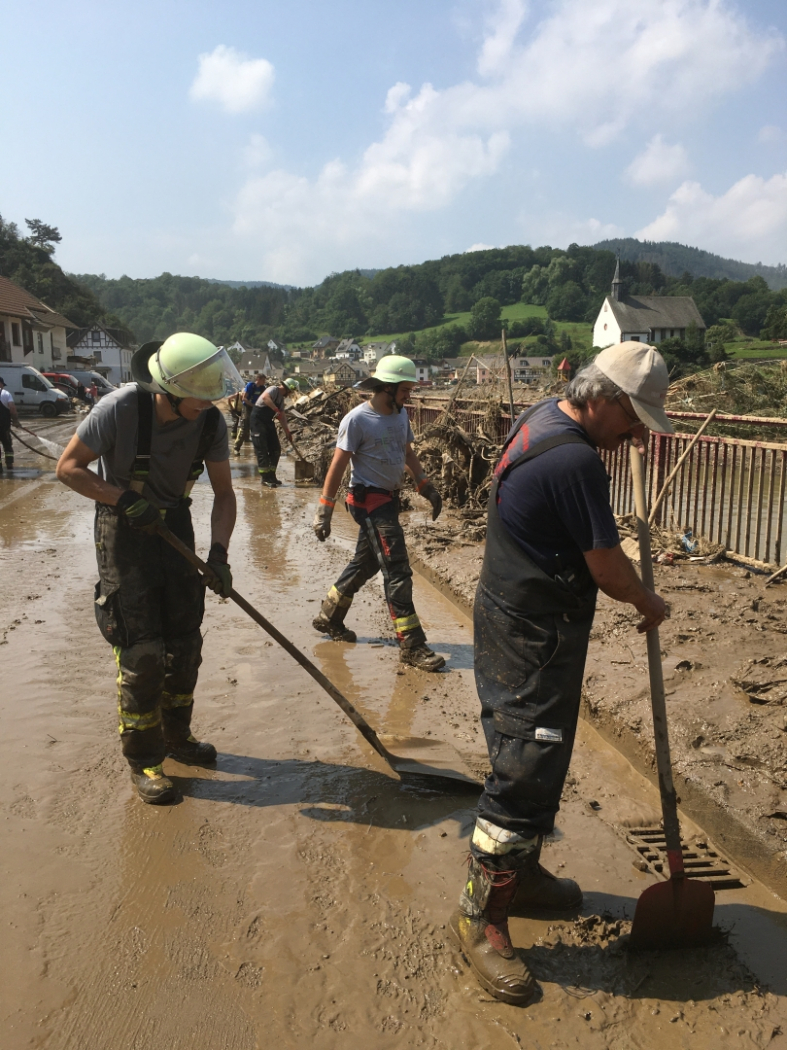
355, 716
669, 802
298, 452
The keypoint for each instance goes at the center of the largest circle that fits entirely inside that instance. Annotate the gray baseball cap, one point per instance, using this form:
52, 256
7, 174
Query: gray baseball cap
640, 371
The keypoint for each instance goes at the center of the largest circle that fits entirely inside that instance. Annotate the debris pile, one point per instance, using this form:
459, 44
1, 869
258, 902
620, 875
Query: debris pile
668, 545
747, 389
314, 420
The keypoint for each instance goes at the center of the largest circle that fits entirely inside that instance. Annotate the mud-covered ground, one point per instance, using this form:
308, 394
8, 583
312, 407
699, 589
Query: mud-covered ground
298, 894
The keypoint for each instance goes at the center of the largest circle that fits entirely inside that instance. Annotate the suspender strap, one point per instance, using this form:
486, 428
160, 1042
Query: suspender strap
140, 469
206, 439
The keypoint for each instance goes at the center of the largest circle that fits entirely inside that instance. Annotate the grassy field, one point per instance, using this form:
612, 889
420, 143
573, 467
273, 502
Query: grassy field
759, 350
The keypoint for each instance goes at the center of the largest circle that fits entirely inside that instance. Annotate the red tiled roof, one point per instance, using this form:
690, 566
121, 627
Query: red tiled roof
15, 301
564, 366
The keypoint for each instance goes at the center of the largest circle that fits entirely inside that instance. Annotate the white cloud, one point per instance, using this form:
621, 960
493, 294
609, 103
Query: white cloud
747, 222
258, 151
770, 134
594, 68
480, 247
233, 80
658, 163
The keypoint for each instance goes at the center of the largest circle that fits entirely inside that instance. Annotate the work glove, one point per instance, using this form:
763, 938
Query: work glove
221, 581
322, 519
428, 491
139, 513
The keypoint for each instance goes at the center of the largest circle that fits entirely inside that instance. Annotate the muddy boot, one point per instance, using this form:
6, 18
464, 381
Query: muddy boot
480, 929
193, 752
540, 890
330, 619
422, 657
152, 786
268, 479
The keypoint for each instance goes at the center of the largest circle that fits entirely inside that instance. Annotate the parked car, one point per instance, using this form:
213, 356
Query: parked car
31, 389
69, 384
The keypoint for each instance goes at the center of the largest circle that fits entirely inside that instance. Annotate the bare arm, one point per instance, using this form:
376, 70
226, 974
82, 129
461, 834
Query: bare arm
222, 518
413, 464
617, 577
72, 470
333, 478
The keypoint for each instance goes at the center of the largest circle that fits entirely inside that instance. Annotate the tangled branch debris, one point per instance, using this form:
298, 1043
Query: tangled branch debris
314, 421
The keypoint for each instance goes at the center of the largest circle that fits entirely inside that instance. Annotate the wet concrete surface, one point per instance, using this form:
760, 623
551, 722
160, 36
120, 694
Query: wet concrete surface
297, 895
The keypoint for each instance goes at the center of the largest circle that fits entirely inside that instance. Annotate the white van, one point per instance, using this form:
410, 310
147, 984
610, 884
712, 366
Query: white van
32, 390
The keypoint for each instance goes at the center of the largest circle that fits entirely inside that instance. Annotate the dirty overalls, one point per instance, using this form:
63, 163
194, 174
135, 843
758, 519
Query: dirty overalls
265, 439
149, 606
531, 641
381, 548
5, 436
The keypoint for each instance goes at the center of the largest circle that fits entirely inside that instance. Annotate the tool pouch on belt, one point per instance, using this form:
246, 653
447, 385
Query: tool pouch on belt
108, 617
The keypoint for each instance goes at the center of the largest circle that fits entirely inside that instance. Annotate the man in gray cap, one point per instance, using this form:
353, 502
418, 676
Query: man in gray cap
551, 544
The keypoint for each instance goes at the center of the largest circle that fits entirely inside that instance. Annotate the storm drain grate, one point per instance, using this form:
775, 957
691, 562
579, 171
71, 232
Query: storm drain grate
700, 859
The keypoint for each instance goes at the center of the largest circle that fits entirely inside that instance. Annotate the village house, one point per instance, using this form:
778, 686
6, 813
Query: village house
30, 331
342, 373
347, 350
424, 371
644, 318
372, 352
524, 370
325, 346
277, 348
107, 350
310, 370
252, 360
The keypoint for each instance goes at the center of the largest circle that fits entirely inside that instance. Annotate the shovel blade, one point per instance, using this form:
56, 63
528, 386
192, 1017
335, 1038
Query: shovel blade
420, 758
677, 913
304, 471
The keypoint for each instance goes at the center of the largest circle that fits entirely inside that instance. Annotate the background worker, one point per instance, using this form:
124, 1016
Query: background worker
235, 406
251, 393
551, 543
152, 440
8, 415
376, 438
269, 407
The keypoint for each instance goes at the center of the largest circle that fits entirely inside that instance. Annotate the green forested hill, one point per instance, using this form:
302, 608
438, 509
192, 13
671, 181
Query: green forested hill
675, 259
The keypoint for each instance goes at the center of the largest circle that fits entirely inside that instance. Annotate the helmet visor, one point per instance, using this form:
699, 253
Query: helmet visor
210, 380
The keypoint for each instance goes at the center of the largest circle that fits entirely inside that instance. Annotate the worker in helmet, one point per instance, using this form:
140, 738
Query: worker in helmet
151, 441
376, 439
269, 407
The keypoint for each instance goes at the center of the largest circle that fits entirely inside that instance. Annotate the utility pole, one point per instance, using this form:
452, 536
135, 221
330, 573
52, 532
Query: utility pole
508, 377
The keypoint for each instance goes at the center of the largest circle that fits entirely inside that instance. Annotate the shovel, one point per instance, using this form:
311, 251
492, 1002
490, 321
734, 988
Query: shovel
677, 913
304, 470
426, 758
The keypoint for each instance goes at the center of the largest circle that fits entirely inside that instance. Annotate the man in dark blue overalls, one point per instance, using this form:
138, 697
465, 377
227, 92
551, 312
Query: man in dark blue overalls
551, 543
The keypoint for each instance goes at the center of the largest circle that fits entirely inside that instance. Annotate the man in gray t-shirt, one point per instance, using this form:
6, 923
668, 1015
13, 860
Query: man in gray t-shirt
151, 441
376, 439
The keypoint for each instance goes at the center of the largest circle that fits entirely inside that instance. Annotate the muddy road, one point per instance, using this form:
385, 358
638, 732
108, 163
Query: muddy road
298, 894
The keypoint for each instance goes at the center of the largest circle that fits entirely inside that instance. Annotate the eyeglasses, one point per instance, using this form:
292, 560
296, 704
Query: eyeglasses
634, 420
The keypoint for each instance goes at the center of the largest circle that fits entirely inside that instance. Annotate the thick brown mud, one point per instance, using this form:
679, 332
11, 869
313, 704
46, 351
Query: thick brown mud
298, 895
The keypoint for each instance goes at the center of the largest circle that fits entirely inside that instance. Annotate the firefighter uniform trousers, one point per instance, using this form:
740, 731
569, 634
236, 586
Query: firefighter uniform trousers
381, 548
149, 607
265, 439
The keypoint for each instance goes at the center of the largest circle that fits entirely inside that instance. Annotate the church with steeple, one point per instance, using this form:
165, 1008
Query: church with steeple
643, 318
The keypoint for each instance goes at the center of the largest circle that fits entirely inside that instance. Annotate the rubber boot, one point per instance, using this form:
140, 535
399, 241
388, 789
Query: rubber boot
152, 786
480, 929
330, 619
540, 890
193, 752
422, 657
268, 478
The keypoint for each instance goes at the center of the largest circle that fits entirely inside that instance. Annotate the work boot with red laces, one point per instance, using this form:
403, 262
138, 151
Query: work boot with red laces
480, 929
540, 890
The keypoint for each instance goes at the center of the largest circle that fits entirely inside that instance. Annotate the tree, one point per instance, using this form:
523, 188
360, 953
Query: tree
567, 302
485, 320
43, 236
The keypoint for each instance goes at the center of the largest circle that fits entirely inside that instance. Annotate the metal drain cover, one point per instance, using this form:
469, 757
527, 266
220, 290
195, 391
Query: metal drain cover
700, 859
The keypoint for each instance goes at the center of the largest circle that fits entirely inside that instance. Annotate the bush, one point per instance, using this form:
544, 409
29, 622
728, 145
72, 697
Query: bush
485, 320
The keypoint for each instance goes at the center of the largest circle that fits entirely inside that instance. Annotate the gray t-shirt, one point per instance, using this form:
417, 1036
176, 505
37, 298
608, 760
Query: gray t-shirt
378, 444
111, 432
275, 393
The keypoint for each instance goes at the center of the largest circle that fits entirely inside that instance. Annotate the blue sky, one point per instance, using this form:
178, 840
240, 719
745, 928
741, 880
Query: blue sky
271, 141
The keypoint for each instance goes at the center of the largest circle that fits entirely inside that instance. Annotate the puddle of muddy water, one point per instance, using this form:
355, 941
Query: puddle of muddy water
298, 894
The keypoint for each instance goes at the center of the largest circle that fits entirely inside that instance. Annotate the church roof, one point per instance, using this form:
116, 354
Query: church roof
636, 313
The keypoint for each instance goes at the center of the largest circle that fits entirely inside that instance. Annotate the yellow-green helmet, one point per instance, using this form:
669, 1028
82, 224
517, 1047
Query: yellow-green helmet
391, 369
292, 384
186, 365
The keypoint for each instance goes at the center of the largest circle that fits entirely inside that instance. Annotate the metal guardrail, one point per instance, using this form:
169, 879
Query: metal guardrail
729, 491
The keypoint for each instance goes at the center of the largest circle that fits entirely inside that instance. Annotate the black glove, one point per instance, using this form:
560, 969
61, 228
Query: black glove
322, 520
428, 491
139, 513
221, 581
